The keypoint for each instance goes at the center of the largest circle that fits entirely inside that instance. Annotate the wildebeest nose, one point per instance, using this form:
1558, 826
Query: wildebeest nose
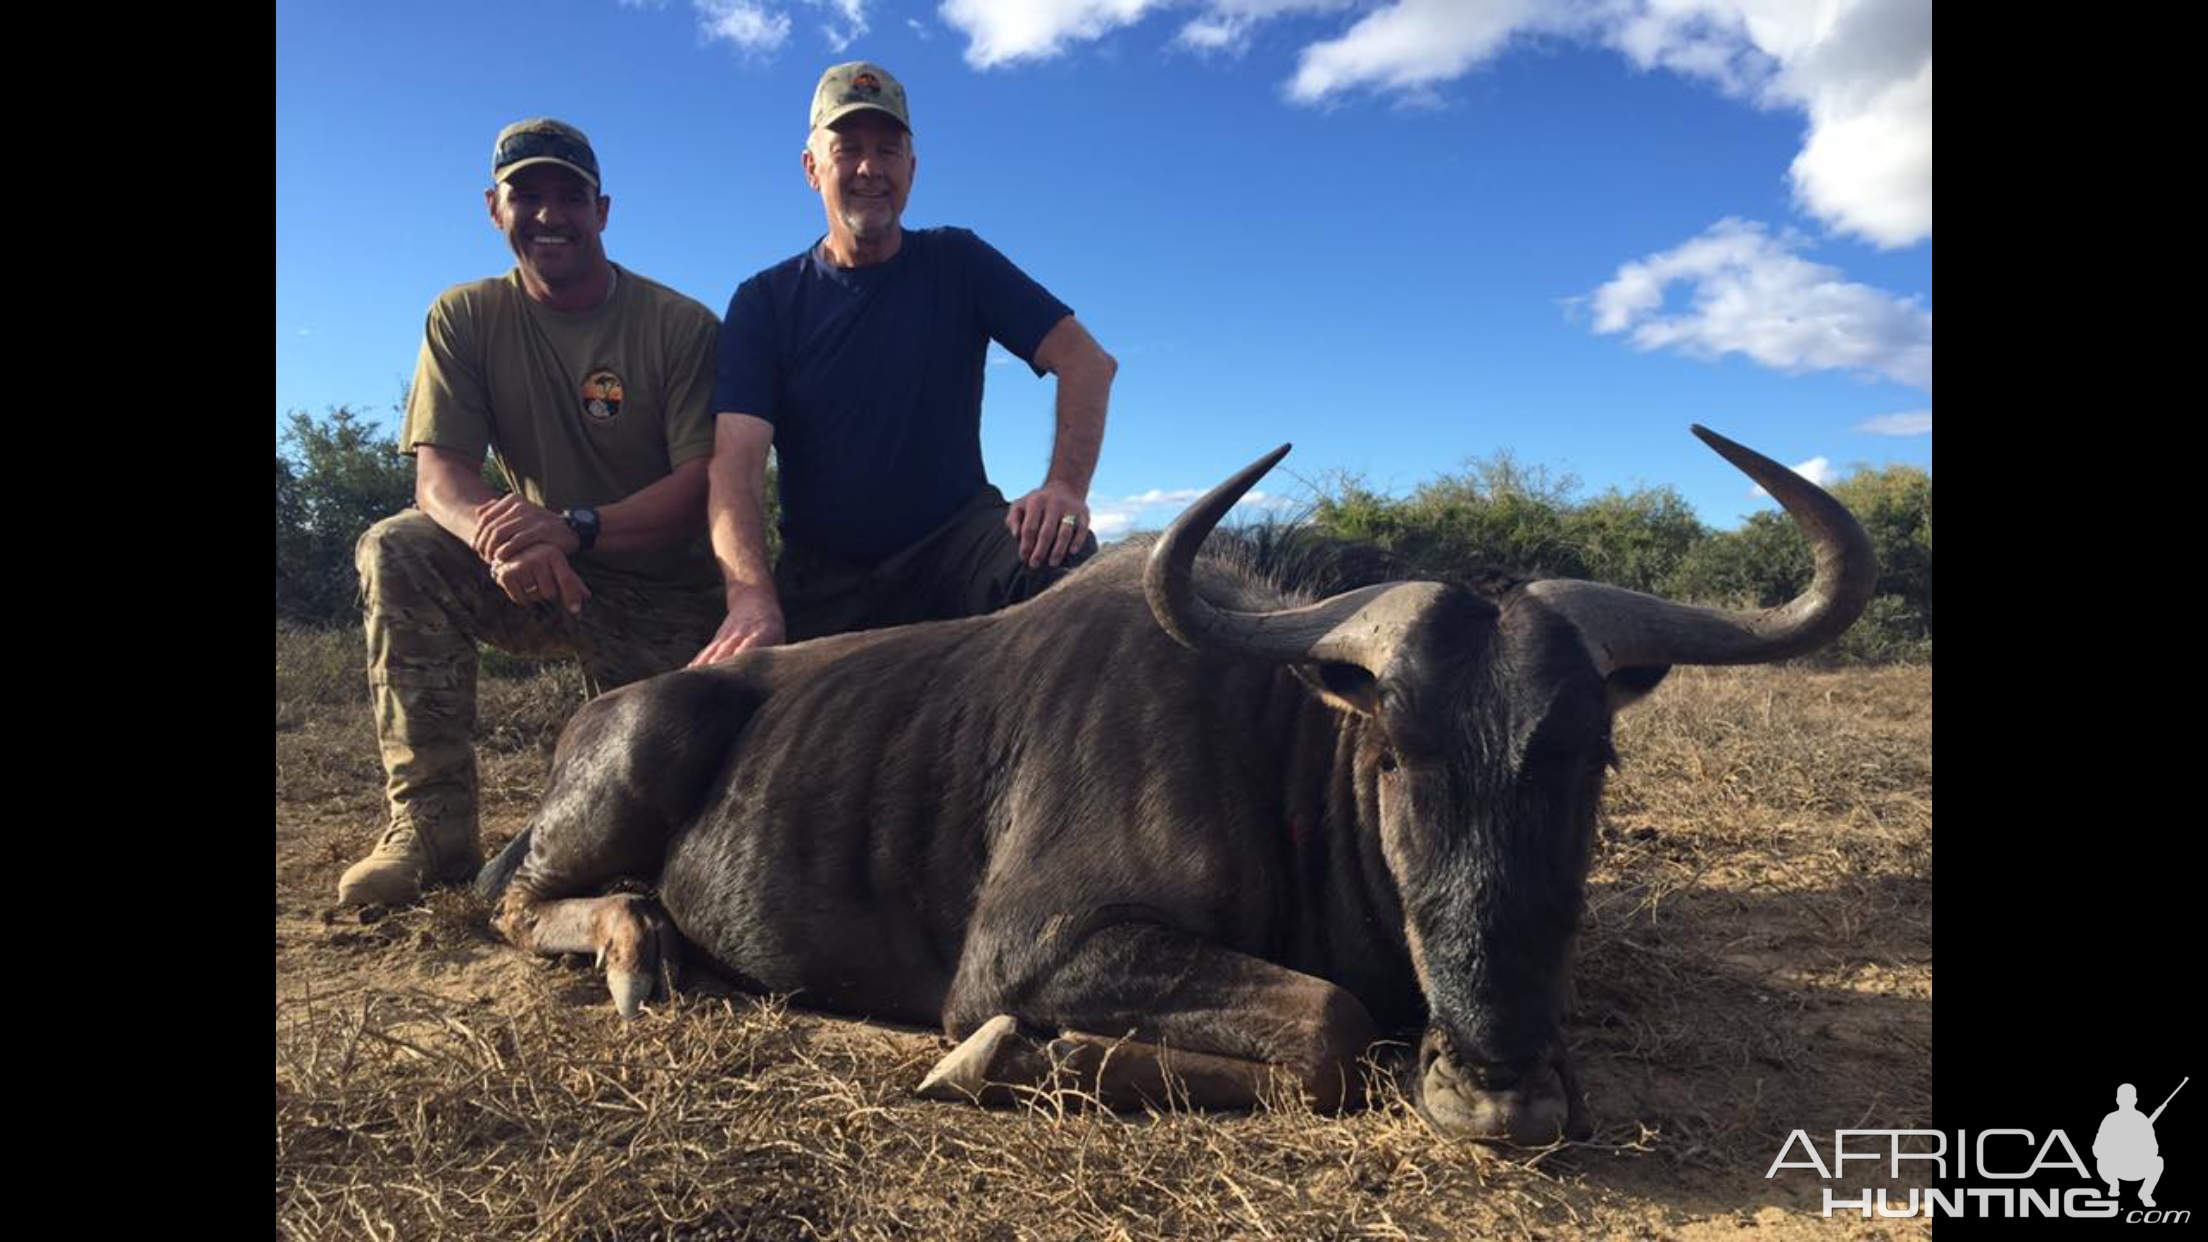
1527, 1100
1438, 1053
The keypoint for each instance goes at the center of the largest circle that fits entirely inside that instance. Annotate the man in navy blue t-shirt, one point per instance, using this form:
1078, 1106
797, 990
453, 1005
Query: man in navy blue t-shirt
860, 361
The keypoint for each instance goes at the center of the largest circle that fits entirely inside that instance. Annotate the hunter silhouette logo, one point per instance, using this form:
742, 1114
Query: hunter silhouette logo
2125, 1150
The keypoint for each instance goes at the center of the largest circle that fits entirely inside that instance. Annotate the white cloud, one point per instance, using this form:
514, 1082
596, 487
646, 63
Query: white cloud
1117, 517
1751, 295
1910, 423
1214, 33
1000, 32
1178, 496
748, 24
1003, 31
841, 34
1817, 470
1867, 170
1110, 524
1224, 25
1693, 38
1859, 71
1409, 45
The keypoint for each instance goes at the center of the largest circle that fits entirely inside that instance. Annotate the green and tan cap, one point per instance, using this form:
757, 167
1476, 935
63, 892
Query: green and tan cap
847, 88
542, 140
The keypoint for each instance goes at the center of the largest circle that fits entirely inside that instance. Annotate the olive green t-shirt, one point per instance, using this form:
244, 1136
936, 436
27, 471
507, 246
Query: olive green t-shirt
580, 409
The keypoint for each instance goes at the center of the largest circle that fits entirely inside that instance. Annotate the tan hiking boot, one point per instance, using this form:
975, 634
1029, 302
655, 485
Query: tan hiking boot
405, 859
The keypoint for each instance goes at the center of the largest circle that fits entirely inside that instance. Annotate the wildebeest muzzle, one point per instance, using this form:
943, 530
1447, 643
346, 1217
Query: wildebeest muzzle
1531, 1103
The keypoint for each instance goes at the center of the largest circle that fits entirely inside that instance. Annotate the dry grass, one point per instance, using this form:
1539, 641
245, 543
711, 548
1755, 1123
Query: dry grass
741, 1116
1757, 958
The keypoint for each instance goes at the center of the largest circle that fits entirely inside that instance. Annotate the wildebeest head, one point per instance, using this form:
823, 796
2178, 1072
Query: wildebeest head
1482, 762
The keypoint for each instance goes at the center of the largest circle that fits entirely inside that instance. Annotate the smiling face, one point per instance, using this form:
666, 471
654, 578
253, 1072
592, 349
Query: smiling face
862, 167
552, 219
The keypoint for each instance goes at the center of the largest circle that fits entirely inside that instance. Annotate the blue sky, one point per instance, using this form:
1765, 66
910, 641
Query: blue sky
1399, 234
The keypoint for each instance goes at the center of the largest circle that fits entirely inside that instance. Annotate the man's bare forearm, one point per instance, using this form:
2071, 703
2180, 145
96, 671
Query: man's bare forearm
1085, 374
450, 489
1080, 437
736, 505
665, 512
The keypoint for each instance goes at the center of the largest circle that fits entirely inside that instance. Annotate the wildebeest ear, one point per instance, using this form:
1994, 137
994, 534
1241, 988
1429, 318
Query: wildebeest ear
1627, 686
1345, 686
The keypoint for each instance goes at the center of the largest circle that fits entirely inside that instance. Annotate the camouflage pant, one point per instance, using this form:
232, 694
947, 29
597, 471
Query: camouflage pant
968, 566
429, 601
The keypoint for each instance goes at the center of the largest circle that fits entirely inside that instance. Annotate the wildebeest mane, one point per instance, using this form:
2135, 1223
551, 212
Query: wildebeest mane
1299, 564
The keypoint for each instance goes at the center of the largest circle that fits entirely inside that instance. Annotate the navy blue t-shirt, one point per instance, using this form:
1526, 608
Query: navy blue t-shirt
872, 378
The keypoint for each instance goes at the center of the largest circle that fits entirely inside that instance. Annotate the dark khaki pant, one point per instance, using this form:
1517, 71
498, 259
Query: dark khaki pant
968, 566
429, 601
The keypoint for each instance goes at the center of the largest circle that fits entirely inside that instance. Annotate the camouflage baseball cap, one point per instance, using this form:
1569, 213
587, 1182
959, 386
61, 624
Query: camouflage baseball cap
846, 88
542, 140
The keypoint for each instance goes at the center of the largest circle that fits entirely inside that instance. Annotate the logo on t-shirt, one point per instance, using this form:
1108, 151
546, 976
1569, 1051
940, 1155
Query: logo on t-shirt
602, 395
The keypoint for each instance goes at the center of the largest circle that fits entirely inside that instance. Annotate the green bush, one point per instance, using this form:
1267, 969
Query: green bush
1496, 513
335, 477
1765, 562
341, 477
1633, 539
1500, 513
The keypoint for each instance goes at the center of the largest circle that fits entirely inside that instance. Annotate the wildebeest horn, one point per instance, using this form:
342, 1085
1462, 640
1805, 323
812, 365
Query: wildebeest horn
1626, 629
1360, 627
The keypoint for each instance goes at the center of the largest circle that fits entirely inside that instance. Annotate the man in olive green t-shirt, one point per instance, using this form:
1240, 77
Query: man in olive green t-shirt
592, 385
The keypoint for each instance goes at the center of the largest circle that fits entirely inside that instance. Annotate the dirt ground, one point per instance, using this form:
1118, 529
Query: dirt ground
1757, 958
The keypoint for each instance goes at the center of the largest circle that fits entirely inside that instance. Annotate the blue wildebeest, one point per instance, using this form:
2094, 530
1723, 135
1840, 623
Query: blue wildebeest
1163, 824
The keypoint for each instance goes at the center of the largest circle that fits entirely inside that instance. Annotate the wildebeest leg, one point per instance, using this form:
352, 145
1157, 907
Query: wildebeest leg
1149, 1014
998, 1065
632, 769
626, 933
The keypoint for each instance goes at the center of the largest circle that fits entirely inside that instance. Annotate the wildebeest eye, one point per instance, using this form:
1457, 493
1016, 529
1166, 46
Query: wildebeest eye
1387, 761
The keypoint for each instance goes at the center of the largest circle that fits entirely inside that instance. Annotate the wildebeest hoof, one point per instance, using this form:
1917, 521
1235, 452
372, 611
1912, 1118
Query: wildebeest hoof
639, 948
630, 990
978, 1070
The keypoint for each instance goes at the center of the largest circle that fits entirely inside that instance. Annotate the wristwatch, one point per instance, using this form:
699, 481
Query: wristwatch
583, 520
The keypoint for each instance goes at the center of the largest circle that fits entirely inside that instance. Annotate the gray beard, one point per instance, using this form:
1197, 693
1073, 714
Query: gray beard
862, 232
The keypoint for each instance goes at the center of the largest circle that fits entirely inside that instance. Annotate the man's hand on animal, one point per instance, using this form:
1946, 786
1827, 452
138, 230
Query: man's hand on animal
1049, 523
539, 574
509, 525
754, 620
